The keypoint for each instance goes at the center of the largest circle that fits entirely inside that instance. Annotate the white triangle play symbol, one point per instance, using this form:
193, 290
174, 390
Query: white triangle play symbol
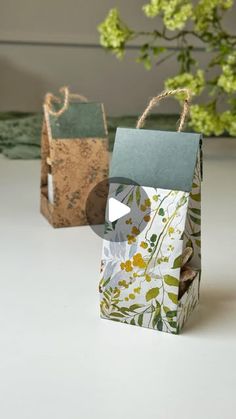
116, 209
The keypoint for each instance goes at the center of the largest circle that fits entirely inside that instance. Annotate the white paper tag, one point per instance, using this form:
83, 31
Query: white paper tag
50, 189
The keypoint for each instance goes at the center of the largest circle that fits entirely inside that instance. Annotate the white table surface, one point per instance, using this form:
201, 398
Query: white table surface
58, 360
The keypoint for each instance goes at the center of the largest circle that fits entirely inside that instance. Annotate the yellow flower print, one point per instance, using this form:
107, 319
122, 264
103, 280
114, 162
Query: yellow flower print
129, 221
148, 278
147, 202
139, 261
147, 218
127, 266
131, 239
123, 283
143, 245
171, 230
132, 296
135, 231
137, 290
143, 207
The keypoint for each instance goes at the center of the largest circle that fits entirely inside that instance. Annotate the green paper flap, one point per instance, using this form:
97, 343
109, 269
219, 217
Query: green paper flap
159, 159
80, 120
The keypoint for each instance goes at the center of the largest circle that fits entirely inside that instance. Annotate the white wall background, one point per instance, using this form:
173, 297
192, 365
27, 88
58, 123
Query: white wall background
28, 71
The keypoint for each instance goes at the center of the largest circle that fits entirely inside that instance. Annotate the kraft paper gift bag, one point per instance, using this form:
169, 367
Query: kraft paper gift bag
75, 156
151, 276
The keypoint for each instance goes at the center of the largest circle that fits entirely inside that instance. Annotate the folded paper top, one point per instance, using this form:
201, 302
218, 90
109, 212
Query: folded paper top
159, 159
80, 120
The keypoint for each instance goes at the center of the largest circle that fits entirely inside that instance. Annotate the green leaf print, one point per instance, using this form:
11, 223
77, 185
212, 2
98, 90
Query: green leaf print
131, 198
196, 197
195, 220
152, 293
138, 195
177, 262
153, 238
196, 211
173, 297
161, 212
171, 313
171, 280
156, 315
140, 320
115, 314
134, 307
197, 234
120, 189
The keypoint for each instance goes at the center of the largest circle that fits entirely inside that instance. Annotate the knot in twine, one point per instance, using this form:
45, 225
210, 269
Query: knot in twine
50, 98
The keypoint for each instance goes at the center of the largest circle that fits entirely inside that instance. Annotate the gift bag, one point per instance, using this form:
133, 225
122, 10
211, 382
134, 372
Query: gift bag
74, 151
151, 276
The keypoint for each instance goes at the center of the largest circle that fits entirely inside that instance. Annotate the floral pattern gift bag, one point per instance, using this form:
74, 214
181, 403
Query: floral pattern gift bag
75, 157
150, 274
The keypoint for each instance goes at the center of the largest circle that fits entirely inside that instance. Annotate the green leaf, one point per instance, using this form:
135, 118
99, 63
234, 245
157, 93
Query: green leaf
197, 234
120, 189
138, 195
135, 306
158, 50
161, 212
195, 211
156, 315
195, 220
115, 314
160, 325
171, 280
177, 262
173, 324
124, 310
171, 313
173, 297
196, 197
107, 281
133, 322
131, 198
198, 243
153, 238
152, 293
140, 320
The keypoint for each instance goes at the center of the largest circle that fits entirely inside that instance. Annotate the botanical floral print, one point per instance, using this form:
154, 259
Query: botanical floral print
140, 276
192, 233
188, 302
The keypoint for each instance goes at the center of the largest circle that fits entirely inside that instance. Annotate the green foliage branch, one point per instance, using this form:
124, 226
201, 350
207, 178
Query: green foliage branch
182, 22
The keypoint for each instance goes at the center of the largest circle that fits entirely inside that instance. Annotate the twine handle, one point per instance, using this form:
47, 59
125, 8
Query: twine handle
50, 98
163, 95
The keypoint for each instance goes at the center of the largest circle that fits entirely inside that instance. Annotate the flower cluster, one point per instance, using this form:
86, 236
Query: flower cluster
227, 79
205, 119
202, 20
114, 33
195, 83
175, 12
204, 12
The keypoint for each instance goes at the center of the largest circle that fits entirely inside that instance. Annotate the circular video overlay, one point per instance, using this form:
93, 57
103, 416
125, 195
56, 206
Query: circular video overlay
113, 209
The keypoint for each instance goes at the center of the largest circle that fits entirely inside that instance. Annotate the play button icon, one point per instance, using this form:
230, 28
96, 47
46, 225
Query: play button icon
116, 209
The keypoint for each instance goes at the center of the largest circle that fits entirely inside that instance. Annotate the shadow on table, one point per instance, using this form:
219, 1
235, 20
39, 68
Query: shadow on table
217, 309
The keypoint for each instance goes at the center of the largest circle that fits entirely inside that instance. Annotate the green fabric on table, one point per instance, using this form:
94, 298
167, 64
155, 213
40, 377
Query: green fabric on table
20, 133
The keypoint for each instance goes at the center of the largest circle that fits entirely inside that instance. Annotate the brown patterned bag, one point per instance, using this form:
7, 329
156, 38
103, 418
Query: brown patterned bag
74, 150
